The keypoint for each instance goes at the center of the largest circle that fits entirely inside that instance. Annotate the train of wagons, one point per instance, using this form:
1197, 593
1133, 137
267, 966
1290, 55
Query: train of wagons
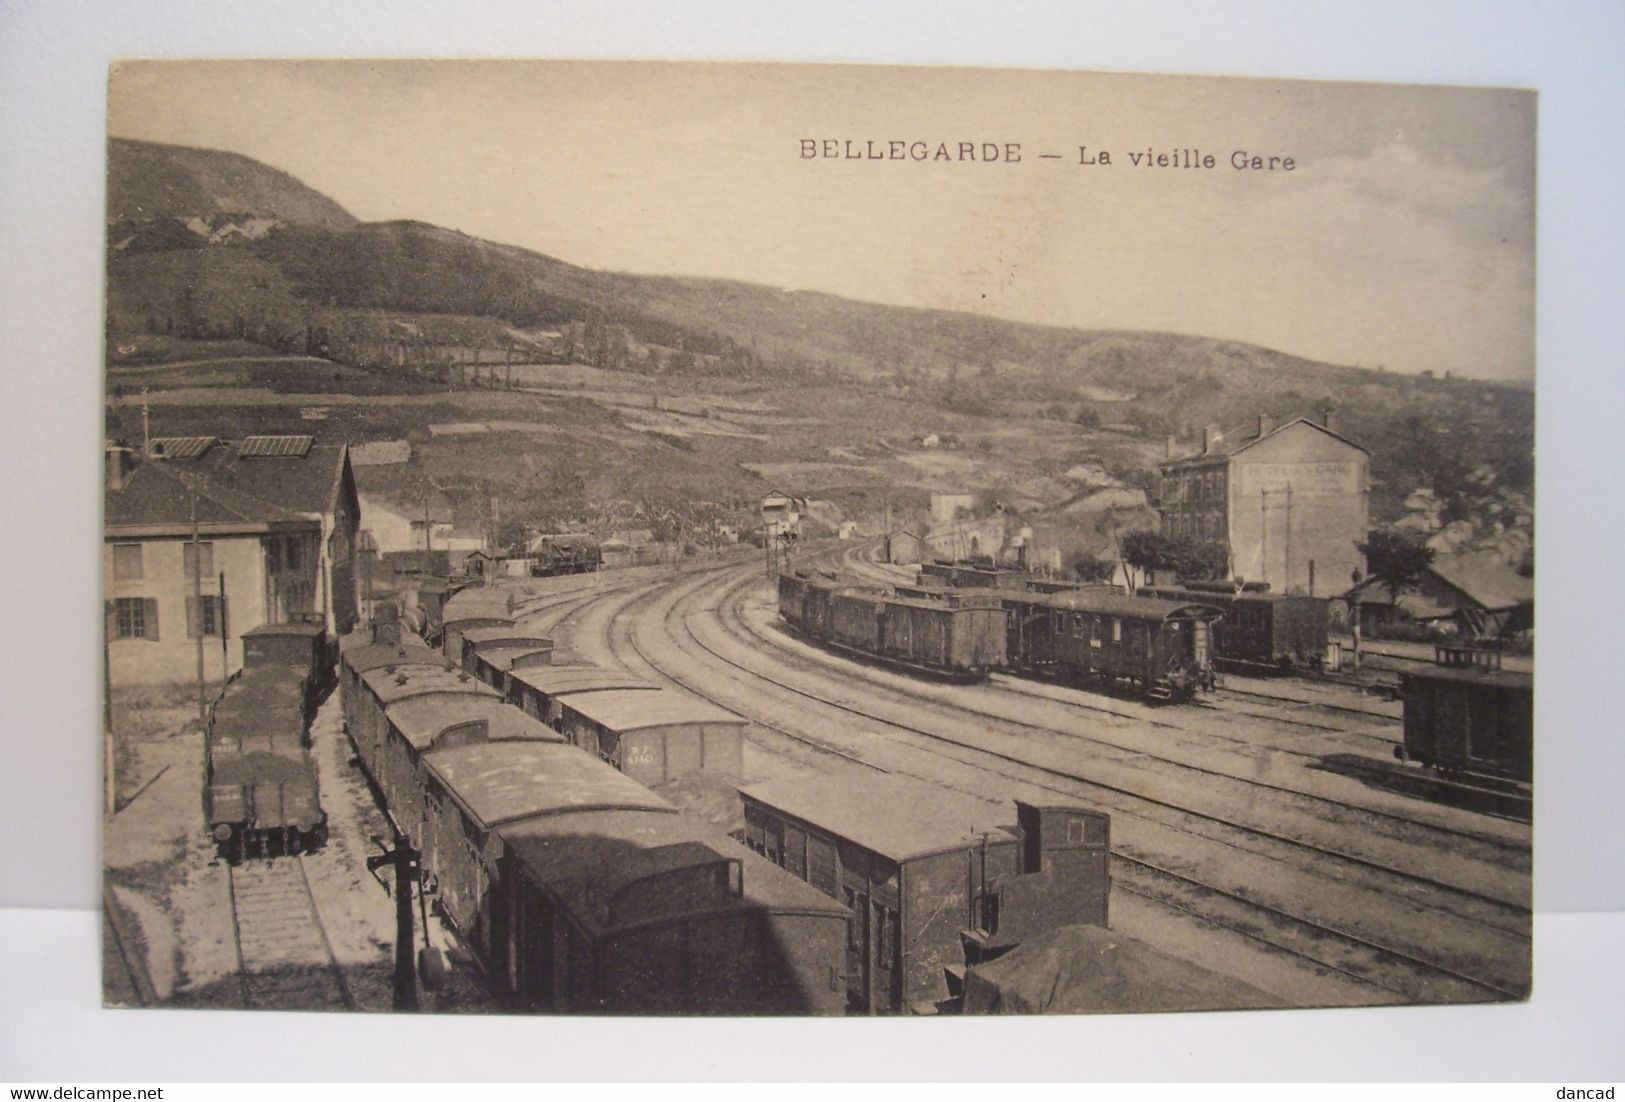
528, 789
260, 792
1154, 648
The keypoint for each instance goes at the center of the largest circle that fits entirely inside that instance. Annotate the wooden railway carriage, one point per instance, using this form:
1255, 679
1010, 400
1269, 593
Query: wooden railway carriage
961, 635
1159, 649
583, 892
655, 736
301, 646
419, 725
488, 653
1467, 715
933, 880
1260, 630
540, 691
260, 794
357, 658
388, 759
473, 608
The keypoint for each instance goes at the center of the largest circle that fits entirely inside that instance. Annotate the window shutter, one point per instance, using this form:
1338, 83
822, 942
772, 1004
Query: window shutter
149, 616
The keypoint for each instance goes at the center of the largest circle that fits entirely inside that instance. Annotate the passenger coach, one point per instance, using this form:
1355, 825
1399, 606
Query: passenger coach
1159, 649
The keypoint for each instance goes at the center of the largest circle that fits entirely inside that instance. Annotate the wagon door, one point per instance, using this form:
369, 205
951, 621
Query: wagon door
1201, 643
857, 949
533, 948
1450, 726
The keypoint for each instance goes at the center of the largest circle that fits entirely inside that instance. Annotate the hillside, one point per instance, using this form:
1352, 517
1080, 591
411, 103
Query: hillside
212, 246
148, 181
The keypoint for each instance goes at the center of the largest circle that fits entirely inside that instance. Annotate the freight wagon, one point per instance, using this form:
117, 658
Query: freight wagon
934, 880
654, 736
1467, 715
540, 690
489, 652
260, 791
958, 638
584, 892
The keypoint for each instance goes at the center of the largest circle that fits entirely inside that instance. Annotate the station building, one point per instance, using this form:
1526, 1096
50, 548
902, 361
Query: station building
1289, 502
207, 538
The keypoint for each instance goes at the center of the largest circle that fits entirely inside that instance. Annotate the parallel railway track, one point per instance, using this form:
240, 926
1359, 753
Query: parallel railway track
285, 959
1429, 975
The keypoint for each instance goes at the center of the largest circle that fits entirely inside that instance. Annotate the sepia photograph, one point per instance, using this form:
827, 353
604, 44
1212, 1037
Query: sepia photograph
770, 539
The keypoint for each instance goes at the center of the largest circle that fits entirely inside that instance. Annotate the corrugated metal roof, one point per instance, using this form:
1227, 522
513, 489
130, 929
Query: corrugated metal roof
632, 709
892, 815
421, 719
500, 782
560, 680
275, 447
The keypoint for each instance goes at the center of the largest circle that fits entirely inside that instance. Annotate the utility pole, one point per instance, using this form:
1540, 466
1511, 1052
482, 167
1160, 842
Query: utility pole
146, 427
1263, 533
405, 861
225, 640
1286, 586
197, 606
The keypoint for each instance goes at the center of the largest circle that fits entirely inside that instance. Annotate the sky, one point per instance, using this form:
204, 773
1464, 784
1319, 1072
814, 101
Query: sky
1402, 237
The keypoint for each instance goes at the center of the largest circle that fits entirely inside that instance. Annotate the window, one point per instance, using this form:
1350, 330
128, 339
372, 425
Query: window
135, 618
195, 554
1074, 831
126, 562
296, 554
205, 616
273, 555
1117, 630
1097, 632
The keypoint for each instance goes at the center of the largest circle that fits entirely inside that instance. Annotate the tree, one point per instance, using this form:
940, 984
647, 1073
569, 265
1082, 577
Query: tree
1395, 559
1089, 567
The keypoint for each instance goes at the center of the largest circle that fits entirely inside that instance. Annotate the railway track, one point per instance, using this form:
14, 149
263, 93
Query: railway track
1246, 769
1431, 974
285, 959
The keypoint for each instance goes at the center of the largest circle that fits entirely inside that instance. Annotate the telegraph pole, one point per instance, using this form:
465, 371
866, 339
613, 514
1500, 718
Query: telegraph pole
197, 612
404, 859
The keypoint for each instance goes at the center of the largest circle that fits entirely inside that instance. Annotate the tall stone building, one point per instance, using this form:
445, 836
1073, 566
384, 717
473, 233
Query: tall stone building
1288, 502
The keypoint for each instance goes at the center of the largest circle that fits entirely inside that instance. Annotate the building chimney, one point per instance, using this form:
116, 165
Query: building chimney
1210, 437
1328, 418
1266, 424
120, 463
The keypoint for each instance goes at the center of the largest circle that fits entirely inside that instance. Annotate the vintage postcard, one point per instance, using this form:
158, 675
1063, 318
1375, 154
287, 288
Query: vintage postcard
764, 539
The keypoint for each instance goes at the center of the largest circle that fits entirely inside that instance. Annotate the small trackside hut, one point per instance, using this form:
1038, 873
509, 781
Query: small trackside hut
655, 736
934, 880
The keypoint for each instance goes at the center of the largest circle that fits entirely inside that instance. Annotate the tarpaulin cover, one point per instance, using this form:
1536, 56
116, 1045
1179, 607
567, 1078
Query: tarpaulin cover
1087, 969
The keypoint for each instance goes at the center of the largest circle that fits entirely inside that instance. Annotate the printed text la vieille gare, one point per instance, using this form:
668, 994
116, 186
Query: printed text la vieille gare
1010, 153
